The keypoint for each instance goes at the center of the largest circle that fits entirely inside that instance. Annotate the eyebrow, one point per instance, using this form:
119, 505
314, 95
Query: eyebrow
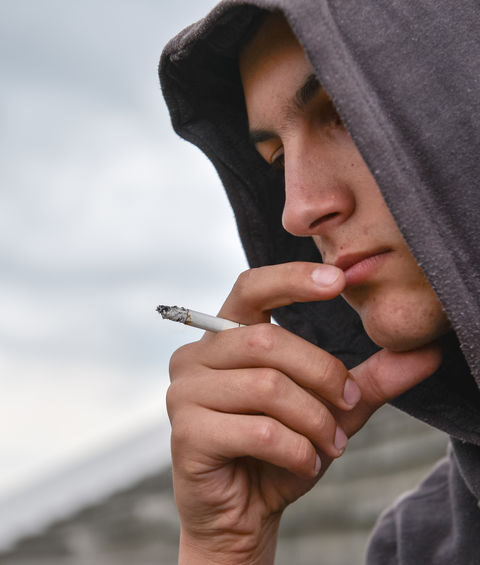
307, 91
303, 96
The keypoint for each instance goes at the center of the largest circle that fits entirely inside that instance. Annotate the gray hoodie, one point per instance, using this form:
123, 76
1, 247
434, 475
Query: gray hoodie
405, 79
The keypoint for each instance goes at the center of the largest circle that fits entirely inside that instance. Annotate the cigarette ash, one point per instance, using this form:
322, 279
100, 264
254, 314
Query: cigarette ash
173, 313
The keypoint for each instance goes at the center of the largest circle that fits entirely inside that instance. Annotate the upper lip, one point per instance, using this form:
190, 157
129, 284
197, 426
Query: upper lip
344, 262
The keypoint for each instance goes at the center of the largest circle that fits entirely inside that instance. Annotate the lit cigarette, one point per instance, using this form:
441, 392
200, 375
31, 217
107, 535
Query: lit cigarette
196, 319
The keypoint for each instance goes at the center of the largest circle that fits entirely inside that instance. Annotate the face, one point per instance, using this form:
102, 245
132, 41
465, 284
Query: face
331, 195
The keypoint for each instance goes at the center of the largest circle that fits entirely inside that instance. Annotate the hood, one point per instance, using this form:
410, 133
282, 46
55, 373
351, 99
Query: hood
404, 77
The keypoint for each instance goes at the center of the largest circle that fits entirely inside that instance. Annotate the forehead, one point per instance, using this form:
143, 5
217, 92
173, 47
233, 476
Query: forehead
273, 34
272, 64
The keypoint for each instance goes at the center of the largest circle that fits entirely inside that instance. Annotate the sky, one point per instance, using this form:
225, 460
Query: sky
104, 213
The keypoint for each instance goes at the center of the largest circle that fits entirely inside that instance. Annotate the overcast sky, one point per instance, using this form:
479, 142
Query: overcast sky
91, 180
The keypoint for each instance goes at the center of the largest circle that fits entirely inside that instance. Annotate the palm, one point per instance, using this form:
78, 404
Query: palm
245, 492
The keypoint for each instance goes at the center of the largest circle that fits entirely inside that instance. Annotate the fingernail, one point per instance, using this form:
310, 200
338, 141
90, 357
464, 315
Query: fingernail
318, 464
351, 392
341, 439
325, 275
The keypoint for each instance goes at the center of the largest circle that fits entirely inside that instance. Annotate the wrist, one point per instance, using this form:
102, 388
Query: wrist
229, 549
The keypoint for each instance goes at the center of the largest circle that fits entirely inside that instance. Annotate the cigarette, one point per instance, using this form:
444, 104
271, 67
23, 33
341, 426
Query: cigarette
196, 319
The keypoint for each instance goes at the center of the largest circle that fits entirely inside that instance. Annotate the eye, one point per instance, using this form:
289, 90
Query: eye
329, 114
278, 159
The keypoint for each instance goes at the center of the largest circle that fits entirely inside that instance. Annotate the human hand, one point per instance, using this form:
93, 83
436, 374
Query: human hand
253, 408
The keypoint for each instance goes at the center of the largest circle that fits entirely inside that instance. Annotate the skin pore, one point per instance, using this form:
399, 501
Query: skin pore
331, 195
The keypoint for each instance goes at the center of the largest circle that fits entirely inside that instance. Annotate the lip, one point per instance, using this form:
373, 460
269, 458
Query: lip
359, 267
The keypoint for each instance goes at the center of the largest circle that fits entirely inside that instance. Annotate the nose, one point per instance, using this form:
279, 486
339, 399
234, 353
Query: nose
318, 196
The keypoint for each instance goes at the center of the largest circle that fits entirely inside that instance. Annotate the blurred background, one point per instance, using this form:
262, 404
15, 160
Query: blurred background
104, 214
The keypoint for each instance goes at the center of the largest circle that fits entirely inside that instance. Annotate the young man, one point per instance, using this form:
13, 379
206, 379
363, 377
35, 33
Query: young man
314, 132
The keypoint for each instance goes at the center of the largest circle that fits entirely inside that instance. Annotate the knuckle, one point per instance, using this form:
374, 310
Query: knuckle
175, 402
181, 433
334, 371
180, 359
170, 401
373, 384
266, 433
291, 271
268, 382
244, 283
303, 454
262, 338
334, 367
324, 423
183, 450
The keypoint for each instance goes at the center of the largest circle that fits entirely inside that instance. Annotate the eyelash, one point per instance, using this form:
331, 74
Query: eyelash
279, 162
332, 115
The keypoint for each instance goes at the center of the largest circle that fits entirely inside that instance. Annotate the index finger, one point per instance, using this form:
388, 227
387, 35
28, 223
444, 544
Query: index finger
258, 291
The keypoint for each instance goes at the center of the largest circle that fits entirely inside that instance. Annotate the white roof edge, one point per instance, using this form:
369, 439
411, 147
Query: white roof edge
60, 495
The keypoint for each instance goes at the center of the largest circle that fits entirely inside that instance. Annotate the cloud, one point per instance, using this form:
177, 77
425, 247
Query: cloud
104, 213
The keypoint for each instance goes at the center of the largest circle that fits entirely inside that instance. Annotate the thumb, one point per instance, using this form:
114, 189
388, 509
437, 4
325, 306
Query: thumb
387, 374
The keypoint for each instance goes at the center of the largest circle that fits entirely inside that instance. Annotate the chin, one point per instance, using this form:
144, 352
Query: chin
400, 324
399, 340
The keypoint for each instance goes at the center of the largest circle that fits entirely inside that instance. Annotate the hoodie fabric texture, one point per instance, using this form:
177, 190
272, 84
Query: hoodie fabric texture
405, 79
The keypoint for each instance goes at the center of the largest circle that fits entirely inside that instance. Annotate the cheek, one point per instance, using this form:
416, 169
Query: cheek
402, 319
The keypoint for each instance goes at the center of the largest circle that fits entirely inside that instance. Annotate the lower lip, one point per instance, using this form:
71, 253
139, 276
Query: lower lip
360, 272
